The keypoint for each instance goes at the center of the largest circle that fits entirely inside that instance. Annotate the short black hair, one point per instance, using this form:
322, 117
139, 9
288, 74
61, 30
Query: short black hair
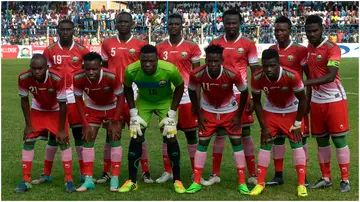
38, 56
233, 12
148, 49
217, 49
270, 54
66, 21
92, 56
124, 13
313, 19
284, 19
176, 15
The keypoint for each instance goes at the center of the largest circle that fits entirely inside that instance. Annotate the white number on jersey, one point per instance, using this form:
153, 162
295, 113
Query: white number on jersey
57, 59
165, 55
33, 89
206, 86
113, 52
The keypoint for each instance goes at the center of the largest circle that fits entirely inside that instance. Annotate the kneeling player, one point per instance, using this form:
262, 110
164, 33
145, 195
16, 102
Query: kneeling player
105, 101
154, 80
47, 114
219, 109
284, 108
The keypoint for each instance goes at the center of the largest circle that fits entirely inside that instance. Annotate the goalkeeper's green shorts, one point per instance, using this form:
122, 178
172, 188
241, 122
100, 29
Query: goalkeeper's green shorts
146, 109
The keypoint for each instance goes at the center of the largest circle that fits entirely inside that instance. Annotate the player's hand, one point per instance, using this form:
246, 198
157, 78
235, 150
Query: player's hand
86, 133
265, 134
135, 123
169, 123
201, 122
27, 131
296, 130
114, 130
249, 107
62, 138
236, 123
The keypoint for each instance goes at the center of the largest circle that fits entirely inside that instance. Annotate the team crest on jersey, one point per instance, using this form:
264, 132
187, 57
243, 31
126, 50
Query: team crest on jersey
132, 51
224, 86
284, 89
318, 58
290, 58
240, 50
106, 88
51, 90
162, 83
75, 59
184, 54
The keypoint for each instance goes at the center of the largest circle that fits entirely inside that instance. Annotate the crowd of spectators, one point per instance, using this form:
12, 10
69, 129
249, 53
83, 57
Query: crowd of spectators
27, 22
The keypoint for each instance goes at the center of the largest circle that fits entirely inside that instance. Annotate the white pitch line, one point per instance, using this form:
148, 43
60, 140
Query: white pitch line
350, 93
346, 78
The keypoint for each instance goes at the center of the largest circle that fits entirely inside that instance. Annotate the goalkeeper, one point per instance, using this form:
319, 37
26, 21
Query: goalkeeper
154, 79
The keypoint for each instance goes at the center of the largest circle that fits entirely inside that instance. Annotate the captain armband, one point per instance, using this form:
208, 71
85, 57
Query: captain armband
333, 63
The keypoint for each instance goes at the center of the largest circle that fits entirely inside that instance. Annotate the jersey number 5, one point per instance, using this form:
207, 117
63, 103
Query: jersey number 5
152, 92
113, 52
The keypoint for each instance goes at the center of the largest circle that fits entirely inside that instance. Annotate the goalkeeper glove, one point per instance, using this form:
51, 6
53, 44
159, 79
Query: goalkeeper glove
169, 124
135, 122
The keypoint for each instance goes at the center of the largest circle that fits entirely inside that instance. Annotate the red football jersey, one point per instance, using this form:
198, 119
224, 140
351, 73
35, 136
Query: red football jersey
101, 94
119, 55
217, 94
46, 95
326, 54
293, 56
66, 61
238, 54
279, 95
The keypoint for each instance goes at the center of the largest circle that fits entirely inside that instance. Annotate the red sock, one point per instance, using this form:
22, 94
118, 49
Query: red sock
241, 175
198, 173
115, 168
325, 169
144, 165
279, 163
301, 173
261, 174
81, 164
167, 164
217, 157
67, 170
250, 162
107, 165
48, 167
344, 169
192, 163
88, 168
26, 168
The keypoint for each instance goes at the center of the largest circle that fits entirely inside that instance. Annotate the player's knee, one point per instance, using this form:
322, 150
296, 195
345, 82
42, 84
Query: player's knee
339, 142
172, 140
304, 141
116, 143
246, 132
29, 146
235, 140
323, 141
64, 146
52, 140
77, 133
135, 149
295, 145
191, 137
88, 144
267, 147
279, 141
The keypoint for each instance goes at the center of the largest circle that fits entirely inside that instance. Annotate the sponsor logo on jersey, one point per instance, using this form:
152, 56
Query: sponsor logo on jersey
162, 83
290, 58
51, 90
184, 54
284, 89
75, 59
224, 86
106, 88
132, 51
240, 50
318, 58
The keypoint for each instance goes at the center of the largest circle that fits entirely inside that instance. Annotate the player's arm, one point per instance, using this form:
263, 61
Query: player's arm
177, 80
242, 87
61, 97
128, 91
256, 94
78, 93
104, 56
332, 69
194, 96
299, 91
119, 93
46, 53
253, 58
25, 107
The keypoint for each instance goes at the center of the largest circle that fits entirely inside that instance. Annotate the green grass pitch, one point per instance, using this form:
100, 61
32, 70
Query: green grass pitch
11, 146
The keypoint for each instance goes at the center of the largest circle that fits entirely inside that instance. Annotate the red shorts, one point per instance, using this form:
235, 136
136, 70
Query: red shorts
329, 118
125, 114
187, 120
98, 117
279, 124
44, 122
73, 116
247, 118
217, 121
305, 126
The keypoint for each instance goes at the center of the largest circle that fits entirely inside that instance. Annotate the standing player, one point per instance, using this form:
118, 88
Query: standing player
105, 101
294, 56
185, 55
118, 52
329, 111
284, 108
239, 52
47, 115
65, 56
154, 80
219, 109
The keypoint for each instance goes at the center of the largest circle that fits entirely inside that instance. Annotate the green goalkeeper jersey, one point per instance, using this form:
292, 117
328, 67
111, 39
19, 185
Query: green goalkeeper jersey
155, 88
